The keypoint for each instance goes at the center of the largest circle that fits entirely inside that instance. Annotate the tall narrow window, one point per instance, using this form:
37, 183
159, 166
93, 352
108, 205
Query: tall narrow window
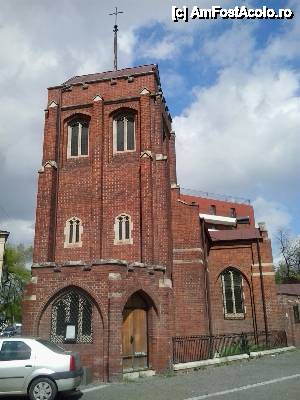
232, 284
78, 138
296, 314
124, 133
123, 228
212, 209
232, 212
73, 231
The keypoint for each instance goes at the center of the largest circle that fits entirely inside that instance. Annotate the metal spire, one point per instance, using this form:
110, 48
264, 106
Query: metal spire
116, 37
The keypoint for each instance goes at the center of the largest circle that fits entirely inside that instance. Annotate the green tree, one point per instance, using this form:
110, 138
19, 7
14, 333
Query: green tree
15, 277
289, 265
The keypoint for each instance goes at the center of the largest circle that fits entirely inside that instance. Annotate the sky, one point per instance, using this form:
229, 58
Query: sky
232, 87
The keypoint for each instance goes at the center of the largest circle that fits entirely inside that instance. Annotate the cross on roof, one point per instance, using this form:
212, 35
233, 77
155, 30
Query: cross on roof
116, 14
116, 37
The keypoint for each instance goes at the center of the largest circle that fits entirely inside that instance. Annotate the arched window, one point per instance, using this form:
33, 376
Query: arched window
123, 229
73, 232
232, 284
71, 318
78, 138
124, 132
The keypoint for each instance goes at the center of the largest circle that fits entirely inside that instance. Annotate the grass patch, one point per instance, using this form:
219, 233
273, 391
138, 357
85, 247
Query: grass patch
169, 374
232, 350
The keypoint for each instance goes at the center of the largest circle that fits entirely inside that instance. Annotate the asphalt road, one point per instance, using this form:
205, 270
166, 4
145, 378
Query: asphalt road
273, 377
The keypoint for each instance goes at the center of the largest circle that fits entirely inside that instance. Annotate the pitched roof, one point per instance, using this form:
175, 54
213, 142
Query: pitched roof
234, 234
292, 289
141, 70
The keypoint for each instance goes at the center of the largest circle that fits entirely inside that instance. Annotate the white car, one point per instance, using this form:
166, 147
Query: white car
37, 368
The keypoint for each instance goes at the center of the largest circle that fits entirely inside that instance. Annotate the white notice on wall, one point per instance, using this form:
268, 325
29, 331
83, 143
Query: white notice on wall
70, 332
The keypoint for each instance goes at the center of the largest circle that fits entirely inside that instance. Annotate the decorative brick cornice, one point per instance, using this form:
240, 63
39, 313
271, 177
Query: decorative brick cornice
175, 186
146, 153
48, 164
145, 91
100, 262
52, 104
161, 157
97, 98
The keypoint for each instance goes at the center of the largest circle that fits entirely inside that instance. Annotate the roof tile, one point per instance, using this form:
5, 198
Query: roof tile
144, 69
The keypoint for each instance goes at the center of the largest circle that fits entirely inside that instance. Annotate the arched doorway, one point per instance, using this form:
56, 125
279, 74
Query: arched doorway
72, 318
135, 334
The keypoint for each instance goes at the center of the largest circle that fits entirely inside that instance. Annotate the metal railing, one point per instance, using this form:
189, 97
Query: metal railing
197, 348
216, 196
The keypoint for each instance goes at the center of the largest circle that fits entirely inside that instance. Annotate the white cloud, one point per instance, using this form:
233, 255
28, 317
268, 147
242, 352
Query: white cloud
21, 231
235, 45
167, 48
242, 133
274, 214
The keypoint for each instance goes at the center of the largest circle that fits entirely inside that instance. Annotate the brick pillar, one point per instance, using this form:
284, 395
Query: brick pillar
172, 159
162, 329
96, 146
162, 193
115, 336
268, 276
146, 183
46, 198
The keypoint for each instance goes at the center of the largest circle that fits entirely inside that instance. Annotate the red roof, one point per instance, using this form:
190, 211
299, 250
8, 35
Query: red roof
235, 234
292, 289
144, 69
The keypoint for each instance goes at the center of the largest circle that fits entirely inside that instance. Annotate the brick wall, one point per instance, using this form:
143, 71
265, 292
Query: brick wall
222, 207
188, 269
109, 287
98, 188
287, 316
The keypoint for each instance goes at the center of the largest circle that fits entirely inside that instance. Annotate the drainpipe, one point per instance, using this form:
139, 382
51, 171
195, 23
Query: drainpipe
262, 287
207, 287
254, 320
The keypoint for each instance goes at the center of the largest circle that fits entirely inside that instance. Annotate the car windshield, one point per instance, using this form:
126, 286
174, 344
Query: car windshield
51, 346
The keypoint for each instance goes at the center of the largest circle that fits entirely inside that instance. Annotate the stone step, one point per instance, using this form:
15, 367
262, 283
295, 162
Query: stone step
132, 376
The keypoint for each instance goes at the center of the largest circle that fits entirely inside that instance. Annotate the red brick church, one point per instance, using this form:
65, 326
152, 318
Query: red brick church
123, 261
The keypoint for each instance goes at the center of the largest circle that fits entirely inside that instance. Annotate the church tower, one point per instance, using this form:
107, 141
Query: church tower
105, 180
103, 220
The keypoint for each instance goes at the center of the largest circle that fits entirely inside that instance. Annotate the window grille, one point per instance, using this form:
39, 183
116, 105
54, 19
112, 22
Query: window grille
75, 309
232, 283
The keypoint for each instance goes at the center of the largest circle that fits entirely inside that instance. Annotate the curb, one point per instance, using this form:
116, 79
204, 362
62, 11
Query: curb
205, 363
223, 360
255, 354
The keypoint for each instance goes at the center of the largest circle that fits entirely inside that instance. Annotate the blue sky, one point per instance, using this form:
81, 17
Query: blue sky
232, 88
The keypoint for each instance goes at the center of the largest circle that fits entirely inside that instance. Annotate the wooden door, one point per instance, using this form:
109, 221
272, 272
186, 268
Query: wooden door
135, 341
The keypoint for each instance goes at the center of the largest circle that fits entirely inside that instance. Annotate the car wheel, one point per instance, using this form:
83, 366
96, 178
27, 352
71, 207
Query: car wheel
42, 389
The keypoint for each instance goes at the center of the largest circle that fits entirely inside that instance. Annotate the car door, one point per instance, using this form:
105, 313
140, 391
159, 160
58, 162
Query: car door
16, 363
